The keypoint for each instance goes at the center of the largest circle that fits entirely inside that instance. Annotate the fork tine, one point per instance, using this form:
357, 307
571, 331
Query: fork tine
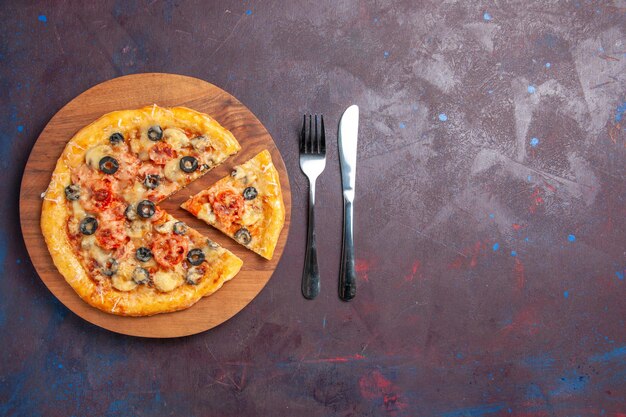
323, 141
316, 142
309, 139
302, 133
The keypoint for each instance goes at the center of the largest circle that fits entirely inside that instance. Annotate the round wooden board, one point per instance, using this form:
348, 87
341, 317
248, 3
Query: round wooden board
166, 90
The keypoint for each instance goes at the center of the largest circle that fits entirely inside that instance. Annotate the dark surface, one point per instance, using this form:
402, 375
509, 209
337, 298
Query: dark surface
491, 271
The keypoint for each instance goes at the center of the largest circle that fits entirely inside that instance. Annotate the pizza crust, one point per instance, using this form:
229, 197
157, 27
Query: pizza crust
144, 300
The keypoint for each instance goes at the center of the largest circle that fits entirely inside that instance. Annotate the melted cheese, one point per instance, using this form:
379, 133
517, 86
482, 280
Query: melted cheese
135, 194
193, 275
89, 245
166, 227
142, 146
166, 281
95, 154
251, 215
200, 143
206, 213
79, 212
123, 279
176, 138
138, 228
172, 170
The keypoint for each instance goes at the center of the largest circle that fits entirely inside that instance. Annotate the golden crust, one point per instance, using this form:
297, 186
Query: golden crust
273, 217
144, 300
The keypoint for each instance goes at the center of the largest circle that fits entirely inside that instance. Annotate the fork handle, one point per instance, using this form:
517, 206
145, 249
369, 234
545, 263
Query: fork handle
311, 273
347, 272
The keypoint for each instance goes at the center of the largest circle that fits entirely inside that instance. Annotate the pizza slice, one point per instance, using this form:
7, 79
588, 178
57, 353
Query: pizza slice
247, 205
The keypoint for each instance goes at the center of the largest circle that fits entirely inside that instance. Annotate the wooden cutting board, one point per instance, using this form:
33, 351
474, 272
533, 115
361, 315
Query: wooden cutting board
166, 90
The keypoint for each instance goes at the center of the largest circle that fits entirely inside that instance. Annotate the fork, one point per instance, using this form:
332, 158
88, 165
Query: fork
312, 163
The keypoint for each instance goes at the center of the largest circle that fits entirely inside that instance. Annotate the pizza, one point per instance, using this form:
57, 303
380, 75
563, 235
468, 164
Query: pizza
101, 221
247, 205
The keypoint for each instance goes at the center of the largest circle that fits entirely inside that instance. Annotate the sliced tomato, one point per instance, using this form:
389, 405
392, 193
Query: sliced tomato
169, 250
227, 206
111, 235
161, 153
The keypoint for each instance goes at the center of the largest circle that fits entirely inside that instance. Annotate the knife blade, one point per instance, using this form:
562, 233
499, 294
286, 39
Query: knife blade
347, 143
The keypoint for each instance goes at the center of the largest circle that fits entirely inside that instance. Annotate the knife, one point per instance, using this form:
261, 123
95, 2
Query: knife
347, 139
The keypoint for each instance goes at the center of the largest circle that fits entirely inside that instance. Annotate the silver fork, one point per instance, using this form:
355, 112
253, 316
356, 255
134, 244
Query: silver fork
312, 163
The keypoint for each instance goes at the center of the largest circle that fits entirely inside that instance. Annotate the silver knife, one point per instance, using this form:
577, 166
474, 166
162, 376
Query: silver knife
347, 138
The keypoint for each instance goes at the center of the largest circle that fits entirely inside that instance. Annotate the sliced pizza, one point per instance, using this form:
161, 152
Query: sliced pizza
117, 249
247, 205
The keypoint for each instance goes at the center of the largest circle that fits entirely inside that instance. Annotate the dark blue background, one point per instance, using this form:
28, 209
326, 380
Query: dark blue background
489, 217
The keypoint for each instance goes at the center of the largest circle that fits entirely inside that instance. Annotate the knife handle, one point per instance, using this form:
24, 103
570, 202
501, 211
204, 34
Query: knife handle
347, 272
311, 273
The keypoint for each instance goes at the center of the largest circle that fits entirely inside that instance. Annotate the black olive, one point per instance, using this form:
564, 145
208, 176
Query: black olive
146, 209
155, 133
143, 254
212, 244
180, 228
151, 181
243, 236
141, 275
72, 192
116, 138
188, 163
233, 173
88, 225
109, 165
250, 193
110, 268
204, 167
130, 212
195, 257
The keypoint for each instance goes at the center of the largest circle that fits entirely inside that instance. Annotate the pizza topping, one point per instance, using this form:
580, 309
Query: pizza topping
251, 215
143, 254
169, 250
179, 228
101, 195
172, 170
123, 279
112, 235
194, 274
155, 133
130, 212
151, 181
188, 164
109, 268
176, 137
195, 257
95, 154
146, 209
200, 143
161, 153
166, 281
250, 193
141, 275
243, 236
72, 192
116, 138
108, 165
88, 226
227, 206
212, 244
138, 228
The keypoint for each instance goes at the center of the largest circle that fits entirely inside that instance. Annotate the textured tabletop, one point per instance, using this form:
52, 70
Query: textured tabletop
490, 220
